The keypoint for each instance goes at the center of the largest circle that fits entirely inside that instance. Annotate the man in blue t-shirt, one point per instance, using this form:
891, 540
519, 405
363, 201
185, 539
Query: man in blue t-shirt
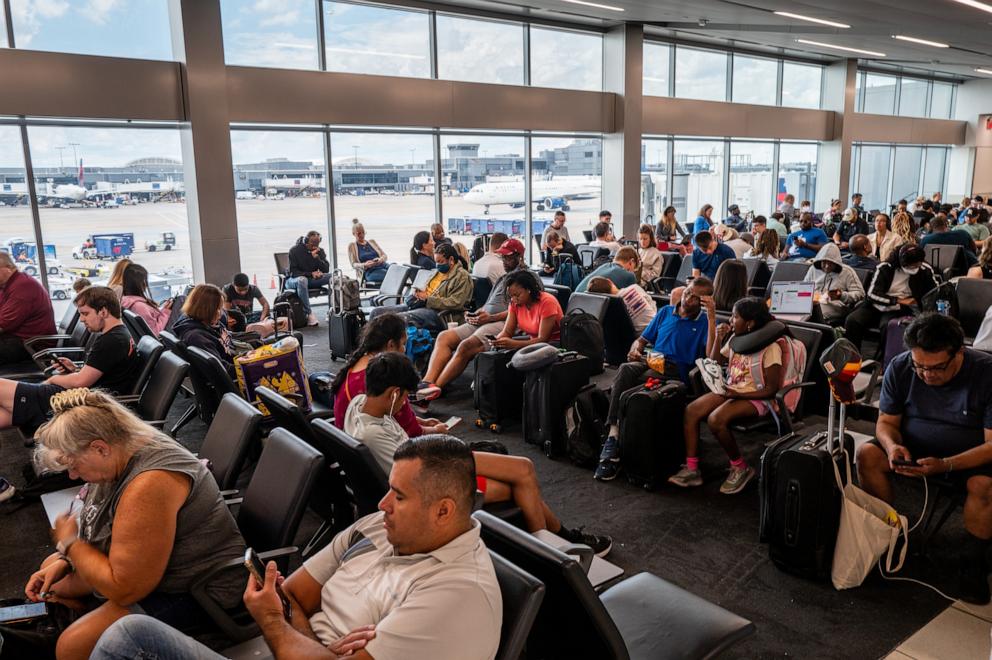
806, 241
681, 332
935, 420
709, 254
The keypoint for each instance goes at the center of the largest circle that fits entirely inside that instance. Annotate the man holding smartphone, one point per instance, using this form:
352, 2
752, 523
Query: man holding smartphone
935, 420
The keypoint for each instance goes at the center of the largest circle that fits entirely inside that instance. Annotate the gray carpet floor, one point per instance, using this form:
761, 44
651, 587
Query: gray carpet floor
701, 540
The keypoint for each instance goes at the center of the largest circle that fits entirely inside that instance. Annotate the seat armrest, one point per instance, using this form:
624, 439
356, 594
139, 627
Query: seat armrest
382, 299
783, 409
29, 343
696, 383
65, 351
226, 494
583, 553
873, 367
128, 398
218, 614
233, 501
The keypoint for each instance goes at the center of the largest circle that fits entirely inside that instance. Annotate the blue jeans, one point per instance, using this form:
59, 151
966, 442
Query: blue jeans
302, 286
141, 637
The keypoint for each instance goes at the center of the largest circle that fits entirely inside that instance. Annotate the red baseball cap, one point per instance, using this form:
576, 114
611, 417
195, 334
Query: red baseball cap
511, 246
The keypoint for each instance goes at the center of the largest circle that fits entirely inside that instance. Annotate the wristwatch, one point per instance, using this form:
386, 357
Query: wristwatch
62, 547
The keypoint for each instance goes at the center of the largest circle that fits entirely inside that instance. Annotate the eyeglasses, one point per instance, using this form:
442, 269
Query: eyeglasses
934, 369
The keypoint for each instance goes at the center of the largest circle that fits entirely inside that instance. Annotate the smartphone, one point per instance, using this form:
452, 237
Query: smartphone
901, 462
22, 613
451, 421
256, 567
491, 337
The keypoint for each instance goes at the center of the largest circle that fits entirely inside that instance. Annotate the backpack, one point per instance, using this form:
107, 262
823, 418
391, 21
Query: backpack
583, 333
793, 367
585, 425
292, 307
568, 274
603, 257
418, 342
345, 293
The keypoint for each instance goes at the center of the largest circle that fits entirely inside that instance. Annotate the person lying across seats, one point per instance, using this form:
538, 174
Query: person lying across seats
682, 333
413, 580
837, 287
389, 379
752, 380
935, 421
151, 525
620, 271
455, 349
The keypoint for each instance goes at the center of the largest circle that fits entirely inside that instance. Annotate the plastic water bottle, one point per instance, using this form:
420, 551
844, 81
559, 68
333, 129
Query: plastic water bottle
943, 307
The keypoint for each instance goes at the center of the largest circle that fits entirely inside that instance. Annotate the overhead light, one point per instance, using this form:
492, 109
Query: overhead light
811, 19
986, 71
844, 48
976, 5
594, 4
925, 42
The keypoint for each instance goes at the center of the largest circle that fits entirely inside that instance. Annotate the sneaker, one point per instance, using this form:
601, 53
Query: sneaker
712, 374
973, 582
312, 320
601, 545
607, 470
6, 490
736, 480
686, 478
428, 392
611, 450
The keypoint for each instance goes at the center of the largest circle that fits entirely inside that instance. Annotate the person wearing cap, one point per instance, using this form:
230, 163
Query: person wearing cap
896, 289
850, 225
837, 287
490, 265
935, 421
455, 349
941, 234
978, 232
734, 220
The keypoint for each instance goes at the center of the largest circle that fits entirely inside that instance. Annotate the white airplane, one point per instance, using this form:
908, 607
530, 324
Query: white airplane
547, 193
67, 192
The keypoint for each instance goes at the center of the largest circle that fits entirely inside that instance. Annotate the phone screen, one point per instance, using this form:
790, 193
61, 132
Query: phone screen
22, 612
256, 567
451, 421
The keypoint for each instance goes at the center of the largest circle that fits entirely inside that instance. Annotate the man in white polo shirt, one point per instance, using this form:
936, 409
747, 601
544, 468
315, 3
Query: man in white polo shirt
411, 581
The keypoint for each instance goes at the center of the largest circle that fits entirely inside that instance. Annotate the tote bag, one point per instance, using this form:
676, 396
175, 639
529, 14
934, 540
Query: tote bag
869, 528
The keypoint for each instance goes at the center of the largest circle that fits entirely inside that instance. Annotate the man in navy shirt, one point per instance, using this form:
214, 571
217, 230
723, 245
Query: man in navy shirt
935, 420
680, 332
806, 241
941, 234
709, 254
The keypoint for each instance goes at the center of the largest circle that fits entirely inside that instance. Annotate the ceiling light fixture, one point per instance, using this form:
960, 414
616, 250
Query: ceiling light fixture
811, 19
925, 42
594, 4
976, 5
844, 48
986, 71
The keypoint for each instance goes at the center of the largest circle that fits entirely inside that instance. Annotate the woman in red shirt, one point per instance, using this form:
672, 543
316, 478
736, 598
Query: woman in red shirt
532, 311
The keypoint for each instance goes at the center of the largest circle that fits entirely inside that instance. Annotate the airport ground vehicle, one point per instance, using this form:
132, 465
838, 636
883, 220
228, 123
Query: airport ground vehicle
165, 242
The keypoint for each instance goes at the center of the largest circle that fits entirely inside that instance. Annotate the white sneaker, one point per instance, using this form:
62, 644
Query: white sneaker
6, 490
712, 374
311, 320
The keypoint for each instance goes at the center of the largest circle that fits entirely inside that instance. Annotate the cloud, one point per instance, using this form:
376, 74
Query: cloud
289, 18
28, 16
97, 11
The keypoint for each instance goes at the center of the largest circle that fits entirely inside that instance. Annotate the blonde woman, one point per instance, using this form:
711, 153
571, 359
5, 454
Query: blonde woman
884, 240
116, 281
366, 257
983, 269
902, 226
152, 523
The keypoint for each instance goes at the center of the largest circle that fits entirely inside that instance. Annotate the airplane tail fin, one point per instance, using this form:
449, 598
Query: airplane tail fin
80, 176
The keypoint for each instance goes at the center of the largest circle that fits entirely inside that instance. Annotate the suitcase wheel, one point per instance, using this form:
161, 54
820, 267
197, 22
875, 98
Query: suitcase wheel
495, 428
479, 423
547, 449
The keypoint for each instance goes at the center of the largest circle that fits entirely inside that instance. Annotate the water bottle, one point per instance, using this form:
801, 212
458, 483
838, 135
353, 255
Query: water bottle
943, 307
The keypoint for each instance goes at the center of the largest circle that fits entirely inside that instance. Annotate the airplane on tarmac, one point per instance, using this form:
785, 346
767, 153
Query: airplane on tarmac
547, 194
64, 192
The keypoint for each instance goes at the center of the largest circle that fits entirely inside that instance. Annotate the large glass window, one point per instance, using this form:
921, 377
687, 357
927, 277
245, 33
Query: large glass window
913, 98
877, 93
386, 182
797, 172
801, 85
751, 176
700, 74
567, 175
279, 187
377, 40
873, 175
16, 227
657, 58
276, 33
755, 80
940, 100
697, 177
933, 171
136, 28
107, 193
906, 173
480, 51
566, 59
654, 179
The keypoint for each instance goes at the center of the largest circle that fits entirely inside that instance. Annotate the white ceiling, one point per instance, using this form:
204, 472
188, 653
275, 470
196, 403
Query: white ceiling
749, 24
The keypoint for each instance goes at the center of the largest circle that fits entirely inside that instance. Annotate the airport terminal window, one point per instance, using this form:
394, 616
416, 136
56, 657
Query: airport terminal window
801, 85
797, 173
654, 179
270, 33
697, 177
386, 182
16, 227
3, 31
751, 176
873, 175
755, 80
700, 74
906, 173
377, 40
656, 67
933, 171
279, 186
566, 174
940, 100
566, 59
136, 28
480, 51
105, 193
876, 94
913, 97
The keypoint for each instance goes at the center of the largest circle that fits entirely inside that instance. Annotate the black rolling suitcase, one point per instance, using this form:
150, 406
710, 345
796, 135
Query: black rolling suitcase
652, 446
800, 500
497, 389
344, 322
547, 393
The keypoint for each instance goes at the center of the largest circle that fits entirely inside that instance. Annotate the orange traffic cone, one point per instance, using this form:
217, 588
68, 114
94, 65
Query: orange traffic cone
272, 282
254, 279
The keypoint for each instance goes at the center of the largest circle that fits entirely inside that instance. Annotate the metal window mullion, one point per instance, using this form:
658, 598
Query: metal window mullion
728, 93
892, 174
776, 146
671, 70
669, 174
726, 175
9, 22
779, 83
35, 213
928, 106
898, 97
923, 170
528, 198
527, 64
329, 189
438, 177
321, 39
433, 43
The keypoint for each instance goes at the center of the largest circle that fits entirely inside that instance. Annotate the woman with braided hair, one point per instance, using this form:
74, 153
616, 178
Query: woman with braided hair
152, 523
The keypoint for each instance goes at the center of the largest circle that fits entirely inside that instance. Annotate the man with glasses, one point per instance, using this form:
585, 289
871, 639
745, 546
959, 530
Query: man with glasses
935, 420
